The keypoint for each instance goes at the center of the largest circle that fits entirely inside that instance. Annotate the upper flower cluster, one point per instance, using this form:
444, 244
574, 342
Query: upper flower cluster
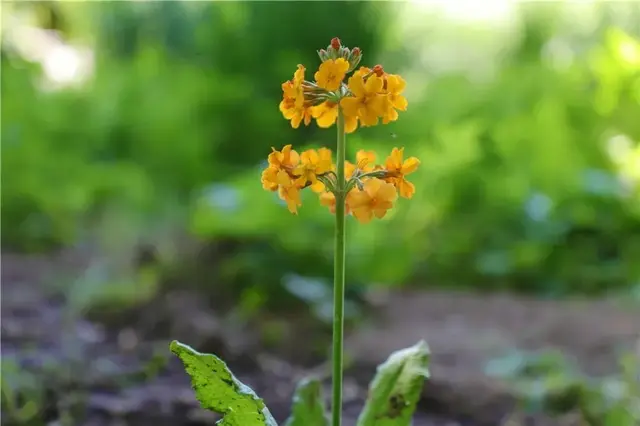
369, 189
369, 96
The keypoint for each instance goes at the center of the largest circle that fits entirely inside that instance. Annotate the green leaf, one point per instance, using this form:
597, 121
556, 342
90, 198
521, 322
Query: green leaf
396, 388
217, 389
620, 415
308, 407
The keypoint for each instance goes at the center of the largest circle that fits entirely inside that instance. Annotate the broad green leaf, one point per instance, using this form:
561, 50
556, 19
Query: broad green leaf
217, 389
308, 406
396, 388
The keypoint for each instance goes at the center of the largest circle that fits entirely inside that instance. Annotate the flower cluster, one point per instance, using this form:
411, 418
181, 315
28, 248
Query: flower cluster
370, 94
369, 97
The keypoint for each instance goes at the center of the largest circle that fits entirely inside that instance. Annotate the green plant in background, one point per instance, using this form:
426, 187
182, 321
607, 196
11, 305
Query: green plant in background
22, 398
548, 382
364, 190
528, 195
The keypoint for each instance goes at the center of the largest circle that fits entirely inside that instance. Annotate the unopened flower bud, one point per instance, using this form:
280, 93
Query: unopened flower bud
335, 43
354, 58
377, 70
333, 53
323, 54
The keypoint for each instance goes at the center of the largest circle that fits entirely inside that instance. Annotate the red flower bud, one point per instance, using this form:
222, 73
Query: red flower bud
355, 51
378, 70
335, 43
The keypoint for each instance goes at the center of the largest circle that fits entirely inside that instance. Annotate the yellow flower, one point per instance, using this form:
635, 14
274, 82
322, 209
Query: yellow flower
293, 106
394, 86
278, 176
331, 73
367, 102
281, 165
349, 168
326, 115
398, 169
362, 71
298, 77
374, 200
312, 164
269, 179
294, 89
291, 195
328, 199
365, 160
287, 159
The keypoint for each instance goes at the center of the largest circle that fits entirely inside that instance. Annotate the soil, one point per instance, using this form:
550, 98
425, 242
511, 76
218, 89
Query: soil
124, 375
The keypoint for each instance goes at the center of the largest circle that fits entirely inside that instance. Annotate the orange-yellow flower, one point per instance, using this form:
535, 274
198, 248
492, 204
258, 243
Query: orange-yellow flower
328, 199
326, 115
281, 165
287, 159
394, 86
365, 160
312, 164
376, 198
362, 71
290, 194
293, 105
398, 169
278, 176
298, 78
367, 103
269, 178
331, 73
349, 168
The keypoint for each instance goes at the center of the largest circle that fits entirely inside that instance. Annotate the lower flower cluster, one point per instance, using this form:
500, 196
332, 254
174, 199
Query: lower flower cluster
371, 189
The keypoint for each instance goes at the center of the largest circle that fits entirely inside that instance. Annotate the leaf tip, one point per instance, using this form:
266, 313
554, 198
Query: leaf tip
422, 347
174, 347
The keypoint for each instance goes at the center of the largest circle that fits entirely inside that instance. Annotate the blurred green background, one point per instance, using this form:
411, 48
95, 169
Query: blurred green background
146, 124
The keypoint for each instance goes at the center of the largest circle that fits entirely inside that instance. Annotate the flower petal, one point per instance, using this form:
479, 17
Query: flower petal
372, 186
364, 215
400, 102
350, 123
374, 84
380, 212
406, 188
387, 192
350, 106
410, 165
356, 86
359, 199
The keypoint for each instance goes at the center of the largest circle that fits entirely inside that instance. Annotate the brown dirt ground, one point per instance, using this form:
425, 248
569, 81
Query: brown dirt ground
464, 331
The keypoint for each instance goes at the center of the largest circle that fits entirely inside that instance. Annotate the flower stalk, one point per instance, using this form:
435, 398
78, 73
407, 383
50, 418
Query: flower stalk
339, 275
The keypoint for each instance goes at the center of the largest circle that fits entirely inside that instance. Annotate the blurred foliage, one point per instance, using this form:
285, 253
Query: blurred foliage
548, 382
517, 189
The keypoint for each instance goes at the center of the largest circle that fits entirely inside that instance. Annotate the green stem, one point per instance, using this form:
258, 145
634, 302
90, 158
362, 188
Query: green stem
338, 276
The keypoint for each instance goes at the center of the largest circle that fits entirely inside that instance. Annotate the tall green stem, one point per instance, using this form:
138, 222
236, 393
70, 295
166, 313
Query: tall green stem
338, 276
